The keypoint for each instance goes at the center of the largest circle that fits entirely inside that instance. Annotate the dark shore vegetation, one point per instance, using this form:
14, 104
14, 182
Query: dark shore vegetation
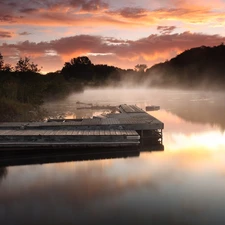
23, 89
197, 68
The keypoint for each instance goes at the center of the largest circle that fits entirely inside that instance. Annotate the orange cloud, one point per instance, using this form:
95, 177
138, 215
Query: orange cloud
98, 13
149, 50
5, 34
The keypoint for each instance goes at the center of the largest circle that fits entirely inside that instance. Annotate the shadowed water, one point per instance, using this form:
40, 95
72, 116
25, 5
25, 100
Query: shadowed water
184, 184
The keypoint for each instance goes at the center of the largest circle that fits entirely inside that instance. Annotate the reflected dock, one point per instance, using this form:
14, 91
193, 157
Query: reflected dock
44, 156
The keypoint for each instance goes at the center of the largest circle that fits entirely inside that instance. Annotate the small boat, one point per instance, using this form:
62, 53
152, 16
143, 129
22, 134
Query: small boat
152, 108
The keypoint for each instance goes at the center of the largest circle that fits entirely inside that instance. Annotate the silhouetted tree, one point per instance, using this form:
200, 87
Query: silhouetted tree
141, 67
24, 65
1, 61
81, 60
78, 69
7, 67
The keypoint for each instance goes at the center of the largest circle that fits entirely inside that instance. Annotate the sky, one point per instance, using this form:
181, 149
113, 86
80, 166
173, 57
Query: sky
121, 33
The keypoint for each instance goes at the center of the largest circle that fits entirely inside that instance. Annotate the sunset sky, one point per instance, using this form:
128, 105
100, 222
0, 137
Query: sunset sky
121, 33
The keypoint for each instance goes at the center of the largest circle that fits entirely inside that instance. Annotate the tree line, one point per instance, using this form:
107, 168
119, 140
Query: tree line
24, 86
200, 67
23, 90
23, 65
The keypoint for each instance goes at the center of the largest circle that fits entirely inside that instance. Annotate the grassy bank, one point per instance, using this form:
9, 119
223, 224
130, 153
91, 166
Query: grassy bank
15, 111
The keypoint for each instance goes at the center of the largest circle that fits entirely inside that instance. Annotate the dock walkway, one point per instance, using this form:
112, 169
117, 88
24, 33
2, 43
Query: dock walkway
130, 126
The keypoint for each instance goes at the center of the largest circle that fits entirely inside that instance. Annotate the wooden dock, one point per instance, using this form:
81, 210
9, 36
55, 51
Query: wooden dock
130, 126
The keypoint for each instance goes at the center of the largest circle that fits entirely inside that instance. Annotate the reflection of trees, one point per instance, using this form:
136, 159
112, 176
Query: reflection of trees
3, 173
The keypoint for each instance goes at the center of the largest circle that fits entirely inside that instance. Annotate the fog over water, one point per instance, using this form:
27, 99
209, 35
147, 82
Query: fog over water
193, 106
184, 184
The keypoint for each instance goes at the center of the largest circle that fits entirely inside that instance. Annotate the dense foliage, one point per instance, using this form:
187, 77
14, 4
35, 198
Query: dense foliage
23, 90
198, 67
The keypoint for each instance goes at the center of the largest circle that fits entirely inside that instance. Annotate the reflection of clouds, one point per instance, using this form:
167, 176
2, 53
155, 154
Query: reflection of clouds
182, 185
92, 180
156, 187
199, 151
211, 140
58, 193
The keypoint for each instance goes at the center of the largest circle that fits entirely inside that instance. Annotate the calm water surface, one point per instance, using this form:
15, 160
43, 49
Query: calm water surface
184, 184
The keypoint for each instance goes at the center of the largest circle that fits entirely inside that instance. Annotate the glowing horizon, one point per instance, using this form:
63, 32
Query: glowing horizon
122, 34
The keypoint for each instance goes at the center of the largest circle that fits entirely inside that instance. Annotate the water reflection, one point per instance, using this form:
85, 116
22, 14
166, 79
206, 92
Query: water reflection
170, 187
208, 109
184, 184
3, 173
31, 157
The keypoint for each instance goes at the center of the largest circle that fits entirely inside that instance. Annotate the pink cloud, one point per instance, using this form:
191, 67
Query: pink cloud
99, 13
5, 34
24, 33
5, 18
166, 29
150, 50
129, 12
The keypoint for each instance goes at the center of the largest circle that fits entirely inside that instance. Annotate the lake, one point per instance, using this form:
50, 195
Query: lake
183, 184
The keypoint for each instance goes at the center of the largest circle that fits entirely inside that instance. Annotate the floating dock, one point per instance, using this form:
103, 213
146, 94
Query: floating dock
129, 126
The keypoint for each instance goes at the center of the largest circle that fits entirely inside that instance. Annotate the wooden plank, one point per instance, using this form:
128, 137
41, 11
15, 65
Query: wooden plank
51, 132
118, 132
85, 132
8, 132
70, 144
5, 132
129, 132
45, 132
112, 132
124, 132
109, 121
61, 132
96, 132
107, 132
74, 132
